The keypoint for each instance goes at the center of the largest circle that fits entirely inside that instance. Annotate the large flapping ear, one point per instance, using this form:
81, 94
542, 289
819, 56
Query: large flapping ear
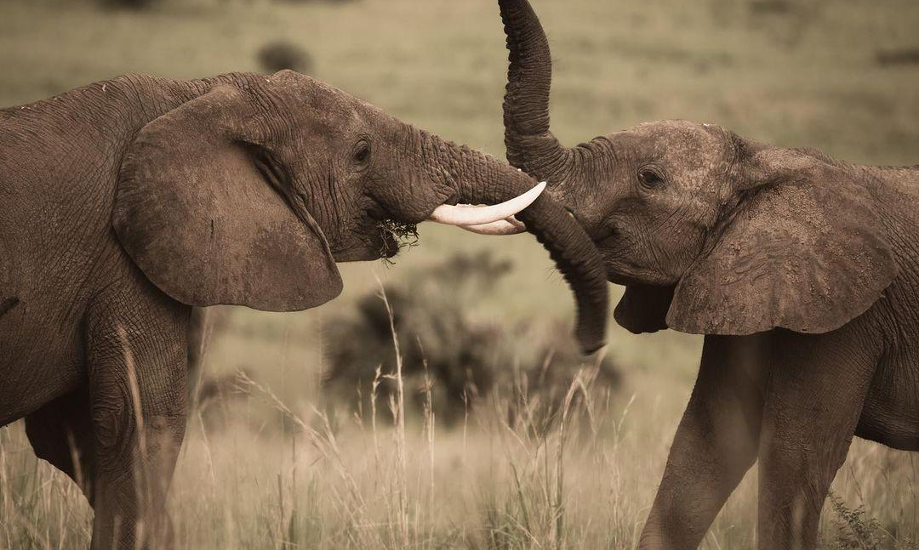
205, 225
805, 250
644, 308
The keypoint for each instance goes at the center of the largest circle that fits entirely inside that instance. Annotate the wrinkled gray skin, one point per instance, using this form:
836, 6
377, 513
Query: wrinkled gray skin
126, 202
801, 270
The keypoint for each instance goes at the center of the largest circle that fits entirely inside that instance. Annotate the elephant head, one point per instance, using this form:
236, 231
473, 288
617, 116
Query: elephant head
251, 191
711, 233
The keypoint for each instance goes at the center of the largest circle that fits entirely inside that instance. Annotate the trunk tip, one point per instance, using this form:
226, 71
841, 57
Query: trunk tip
590, 343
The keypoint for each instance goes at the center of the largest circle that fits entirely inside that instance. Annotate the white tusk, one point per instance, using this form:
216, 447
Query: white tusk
508, 226
479, 215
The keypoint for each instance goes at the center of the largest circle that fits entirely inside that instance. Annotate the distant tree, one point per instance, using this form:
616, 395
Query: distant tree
129, 4
282, 54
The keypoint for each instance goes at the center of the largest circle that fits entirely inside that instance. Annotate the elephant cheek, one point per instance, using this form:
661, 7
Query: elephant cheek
378, 245
355, 255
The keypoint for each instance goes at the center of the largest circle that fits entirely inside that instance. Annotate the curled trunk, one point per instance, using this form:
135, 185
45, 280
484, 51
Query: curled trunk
478, 178
531, 146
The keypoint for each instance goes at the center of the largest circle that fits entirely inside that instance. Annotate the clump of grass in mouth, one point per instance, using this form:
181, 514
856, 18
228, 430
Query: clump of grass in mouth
405, 234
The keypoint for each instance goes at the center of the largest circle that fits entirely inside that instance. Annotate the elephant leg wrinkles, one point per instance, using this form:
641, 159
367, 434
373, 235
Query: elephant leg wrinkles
814, 397
789, 401
136, 358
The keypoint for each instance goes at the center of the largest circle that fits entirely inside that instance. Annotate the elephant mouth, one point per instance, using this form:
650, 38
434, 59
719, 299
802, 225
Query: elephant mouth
618, 250
377, 235
625, 273
395, 235
616, 276
383, 240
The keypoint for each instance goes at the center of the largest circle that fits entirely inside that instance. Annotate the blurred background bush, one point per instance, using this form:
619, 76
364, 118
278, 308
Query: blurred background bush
446, 351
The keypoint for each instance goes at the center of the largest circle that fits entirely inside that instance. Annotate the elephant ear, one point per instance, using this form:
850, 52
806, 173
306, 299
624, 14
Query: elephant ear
201, 214
805, 249
643, 308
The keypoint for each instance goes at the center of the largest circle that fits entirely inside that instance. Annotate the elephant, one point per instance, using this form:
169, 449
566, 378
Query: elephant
128, 202
800, 270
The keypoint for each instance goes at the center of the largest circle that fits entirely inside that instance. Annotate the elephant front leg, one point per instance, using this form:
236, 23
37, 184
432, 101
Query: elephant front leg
137, 377
715, 444
816, 392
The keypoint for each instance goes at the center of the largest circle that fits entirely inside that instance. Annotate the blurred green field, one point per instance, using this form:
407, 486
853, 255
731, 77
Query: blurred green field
803, 73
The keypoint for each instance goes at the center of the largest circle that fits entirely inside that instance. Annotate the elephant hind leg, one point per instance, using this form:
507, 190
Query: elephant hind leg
814, 399
61, 432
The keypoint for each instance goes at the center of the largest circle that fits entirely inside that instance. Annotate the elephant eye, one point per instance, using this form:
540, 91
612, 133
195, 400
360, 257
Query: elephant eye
649, 178
362, 152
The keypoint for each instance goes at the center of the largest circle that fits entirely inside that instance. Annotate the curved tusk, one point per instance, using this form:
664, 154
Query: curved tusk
509, 226
479, 215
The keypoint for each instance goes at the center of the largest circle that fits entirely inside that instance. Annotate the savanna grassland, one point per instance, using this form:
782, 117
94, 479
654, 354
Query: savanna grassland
286, 463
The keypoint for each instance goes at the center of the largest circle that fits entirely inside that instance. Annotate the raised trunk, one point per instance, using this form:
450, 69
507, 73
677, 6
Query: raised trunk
530, 144
479, 178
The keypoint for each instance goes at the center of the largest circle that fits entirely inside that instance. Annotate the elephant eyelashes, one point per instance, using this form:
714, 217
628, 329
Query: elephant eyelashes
649, 178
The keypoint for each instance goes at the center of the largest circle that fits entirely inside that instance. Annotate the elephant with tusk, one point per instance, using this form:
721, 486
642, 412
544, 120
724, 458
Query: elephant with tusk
125, 203
801, 270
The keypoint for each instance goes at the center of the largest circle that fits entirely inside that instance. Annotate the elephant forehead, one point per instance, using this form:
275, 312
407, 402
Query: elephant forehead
690, 152
681, 138
317, 104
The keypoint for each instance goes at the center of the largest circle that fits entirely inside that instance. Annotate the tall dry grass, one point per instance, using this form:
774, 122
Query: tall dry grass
498, 481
